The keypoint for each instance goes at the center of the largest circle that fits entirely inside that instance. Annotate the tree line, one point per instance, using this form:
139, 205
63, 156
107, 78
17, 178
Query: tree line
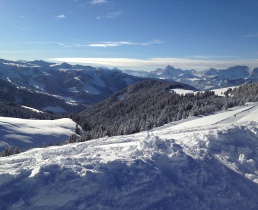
143, 106
12, 109
152, 103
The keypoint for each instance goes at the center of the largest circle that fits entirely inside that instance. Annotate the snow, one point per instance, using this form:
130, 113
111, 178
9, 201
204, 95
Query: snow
73, 90
221, 91
27, 133
56, 109
67, 99
35, 110
206, 162
128, 80
181, 91
121, 97
92, 90
98, 81
192, 79
213, 119
37, 85
8, 79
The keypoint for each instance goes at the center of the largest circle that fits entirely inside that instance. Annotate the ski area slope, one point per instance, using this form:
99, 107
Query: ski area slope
208, 162
27, 133
219, 91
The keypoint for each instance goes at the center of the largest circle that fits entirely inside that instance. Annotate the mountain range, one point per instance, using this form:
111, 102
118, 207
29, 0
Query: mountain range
203, 80
196, 160
66, 88
70, 87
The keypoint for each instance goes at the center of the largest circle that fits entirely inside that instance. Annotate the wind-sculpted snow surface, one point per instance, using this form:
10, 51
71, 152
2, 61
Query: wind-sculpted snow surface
27, 133
212, 166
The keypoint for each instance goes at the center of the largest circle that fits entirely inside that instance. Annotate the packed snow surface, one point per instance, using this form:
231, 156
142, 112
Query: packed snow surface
206, 162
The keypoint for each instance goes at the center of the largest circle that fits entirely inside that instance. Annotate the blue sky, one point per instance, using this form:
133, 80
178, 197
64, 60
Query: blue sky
132, 34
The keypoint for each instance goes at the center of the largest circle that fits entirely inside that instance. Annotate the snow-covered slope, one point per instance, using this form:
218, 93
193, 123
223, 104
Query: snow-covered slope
27, 133
219, 91
206, 162
70, 82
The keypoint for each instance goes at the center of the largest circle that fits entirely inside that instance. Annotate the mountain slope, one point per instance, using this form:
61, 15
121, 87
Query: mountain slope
83, 84
141, 106
41, 101
31, 133
192, 165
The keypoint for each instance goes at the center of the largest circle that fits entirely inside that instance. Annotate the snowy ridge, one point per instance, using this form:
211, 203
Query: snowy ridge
203, 80
72, 82
207, 162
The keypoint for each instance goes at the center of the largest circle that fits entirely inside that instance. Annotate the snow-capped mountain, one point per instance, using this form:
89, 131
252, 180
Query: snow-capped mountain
208, 79
205, 162
168, 71
71, 82
254, 74
233, 73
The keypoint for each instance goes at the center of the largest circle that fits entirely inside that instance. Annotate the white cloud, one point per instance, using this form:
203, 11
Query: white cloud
156, 41
120, 43
113, 15
108, 43
254, 35
98, 2
111, 44
63, 45
184, 63
62, 16
210, 56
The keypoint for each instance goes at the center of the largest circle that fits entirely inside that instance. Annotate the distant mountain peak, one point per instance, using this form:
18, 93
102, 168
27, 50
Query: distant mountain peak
63, 65
169, 67
168, 71
41, 63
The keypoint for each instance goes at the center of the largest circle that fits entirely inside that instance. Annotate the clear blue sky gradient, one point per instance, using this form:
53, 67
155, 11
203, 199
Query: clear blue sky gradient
132, 34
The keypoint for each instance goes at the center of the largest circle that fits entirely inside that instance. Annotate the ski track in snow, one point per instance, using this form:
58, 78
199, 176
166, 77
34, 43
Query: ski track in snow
206, 162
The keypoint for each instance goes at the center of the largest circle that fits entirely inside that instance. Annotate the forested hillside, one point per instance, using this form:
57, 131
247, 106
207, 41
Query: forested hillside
11, 109
149, 104
41, 101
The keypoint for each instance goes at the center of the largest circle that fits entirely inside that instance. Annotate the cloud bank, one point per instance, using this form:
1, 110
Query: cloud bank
184, 63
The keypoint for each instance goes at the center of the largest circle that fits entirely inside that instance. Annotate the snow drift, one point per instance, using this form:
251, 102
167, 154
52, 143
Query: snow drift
209, 165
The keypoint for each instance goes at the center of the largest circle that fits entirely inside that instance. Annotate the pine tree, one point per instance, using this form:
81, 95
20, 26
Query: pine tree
8, 151
17, 150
